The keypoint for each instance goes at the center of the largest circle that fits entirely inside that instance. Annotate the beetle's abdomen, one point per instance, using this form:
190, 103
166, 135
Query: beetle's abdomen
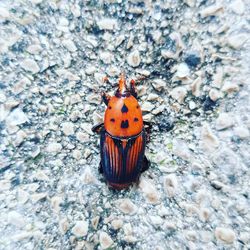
122, 158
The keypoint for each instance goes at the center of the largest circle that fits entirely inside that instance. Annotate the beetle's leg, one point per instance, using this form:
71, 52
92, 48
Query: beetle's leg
148, 127
100, 169
97, 128
105, 98
132, 88
145, 164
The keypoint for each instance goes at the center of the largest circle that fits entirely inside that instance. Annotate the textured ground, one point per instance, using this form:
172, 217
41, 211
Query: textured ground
194, 58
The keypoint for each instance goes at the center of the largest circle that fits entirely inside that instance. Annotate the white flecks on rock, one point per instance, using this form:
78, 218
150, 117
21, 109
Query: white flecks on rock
170, 184
30, 65
149, 190
134, 58
16, 219
182, 71
69, 45
68, 128
80, 228
237, 7
107, 24
16, 117
179, 94
225, 120
181, 149
126, 206
230, 87
54, 147
237, 41
209, 141
105, 240
226, 235
242, 132
211, 10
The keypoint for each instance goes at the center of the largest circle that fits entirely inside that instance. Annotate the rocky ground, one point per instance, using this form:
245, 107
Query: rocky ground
193, 57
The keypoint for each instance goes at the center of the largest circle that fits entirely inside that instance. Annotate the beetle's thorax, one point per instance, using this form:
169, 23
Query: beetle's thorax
123, 116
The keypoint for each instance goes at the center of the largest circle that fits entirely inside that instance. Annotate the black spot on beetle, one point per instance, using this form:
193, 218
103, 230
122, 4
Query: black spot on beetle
137, 106
136, 119
110, 107
112, 120
124, 108
124, 124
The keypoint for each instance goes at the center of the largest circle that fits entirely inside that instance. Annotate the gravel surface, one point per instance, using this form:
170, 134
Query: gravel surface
191, 62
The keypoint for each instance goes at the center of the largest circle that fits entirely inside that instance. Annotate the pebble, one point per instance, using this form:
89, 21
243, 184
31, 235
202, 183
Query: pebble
34, 49
196, 87
170, 184
56, 202
214, 94
16, 117
179, 94
159, 84
209, 141
149, 190
230, 87
54, 147
192, 105
181, 149
134, 58
106, 57
211, 10
107, 24
242, 132
20, 137
237, 7
88, 177
224, 121
127, 206
80, 228
226, 235
147, 106
68, 128
38, 196
77, 154
63, 225
105, 240
117, 224
30, 65
182, 71
237, 41
69, 45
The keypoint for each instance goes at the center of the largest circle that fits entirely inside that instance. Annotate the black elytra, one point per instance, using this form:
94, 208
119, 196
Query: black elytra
124, 124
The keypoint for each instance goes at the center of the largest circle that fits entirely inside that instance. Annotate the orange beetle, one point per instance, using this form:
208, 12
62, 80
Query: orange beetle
123, 137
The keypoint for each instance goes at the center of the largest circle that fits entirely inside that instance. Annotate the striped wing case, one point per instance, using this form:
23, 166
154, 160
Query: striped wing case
122, 158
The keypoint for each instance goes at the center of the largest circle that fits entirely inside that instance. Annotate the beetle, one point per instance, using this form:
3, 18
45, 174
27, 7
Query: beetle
123, 137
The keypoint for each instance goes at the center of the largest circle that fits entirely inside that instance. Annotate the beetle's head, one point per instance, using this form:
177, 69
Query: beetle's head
123, 90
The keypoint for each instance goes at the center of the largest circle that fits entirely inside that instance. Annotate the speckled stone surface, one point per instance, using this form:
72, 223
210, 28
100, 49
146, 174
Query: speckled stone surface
190, 60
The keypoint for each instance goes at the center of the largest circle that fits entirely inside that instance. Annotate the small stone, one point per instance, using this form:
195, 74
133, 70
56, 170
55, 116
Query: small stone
88, 177
117, 224
30, 65
156, 220
208, 140
16, 117
95, 222
105, 240
40, 175
134, 58
56, 202
69, 45
90, 70
63, 225
211, 10
38, 196
192, 105
238, 7
214, 94
170, 185
230, 87
106, 57
107, 24
181, 149
204, 214
54, 147
34, 49
159, 84
179, 94
190, 3
68, 128
237, 41
77, 154
127, 228
22, 196
80, 229
20, 137
195, 86
16, 219
224, 121
75, 99
226, 235
126, 206
149, 190
147, 106
182, 71
242, 132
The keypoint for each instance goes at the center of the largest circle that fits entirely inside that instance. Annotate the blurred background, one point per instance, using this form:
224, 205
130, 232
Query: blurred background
190, 60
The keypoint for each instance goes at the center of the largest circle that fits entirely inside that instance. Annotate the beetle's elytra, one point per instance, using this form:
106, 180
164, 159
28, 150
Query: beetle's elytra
123, 137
